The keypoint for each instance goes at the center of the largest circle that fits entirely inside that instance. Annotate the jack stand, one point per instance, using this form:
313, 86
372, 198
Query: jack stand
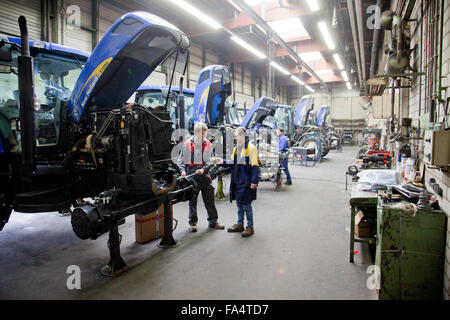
219, 194
116, 266
168, 241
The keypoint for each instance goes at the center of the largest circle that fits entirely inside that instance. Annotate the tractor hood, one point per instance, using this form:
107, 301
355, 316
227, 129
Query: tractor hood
211, 91
302, 113
127, 54
261, 109
322, 116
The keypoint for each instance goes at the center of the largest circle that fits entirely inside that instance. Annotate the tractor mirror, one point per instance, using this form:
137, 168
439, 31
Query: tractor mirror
5, 52
5, 69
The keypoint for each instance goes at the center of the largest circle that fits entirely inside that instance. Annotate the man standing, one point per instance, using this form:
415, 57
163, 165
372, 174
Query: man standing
283, 146
193, 157
244, 181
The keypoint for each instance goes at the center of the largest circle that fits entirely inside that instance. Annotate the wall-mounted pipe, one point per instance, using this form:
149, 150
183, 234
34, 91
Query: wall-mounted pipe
441, 55
376, 37
351, 12
362, 51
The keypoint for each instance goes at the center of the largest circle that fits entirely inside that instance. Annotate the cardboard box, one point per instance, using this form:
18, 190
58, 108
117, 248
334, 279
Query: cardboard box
362, 227
150, 226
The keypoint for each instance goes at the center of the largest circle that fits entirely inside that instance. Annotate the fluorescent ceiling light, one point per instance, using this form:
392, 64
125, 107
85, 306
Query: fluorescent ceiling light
310, 89
326, 35
297, 80
197, 13
248, 47
311, 56
289, 28
279, 68
313, 5
338, 60
255, 2
349, 86
324, 71
344, 75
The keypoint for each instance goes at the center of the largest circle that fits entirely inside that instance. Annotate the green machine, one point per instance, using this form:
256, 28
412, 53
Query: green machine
410, 252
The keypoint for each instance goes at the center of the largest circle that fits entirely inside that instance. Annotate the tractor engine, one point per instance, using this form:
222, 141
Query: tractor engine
129, 150
125, 158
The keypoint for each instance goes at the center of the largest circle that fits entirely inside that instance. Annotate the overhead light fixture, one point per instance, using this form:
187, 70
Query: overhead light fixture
326, 35
311, 56
313, 5
349, 86
324, 71
297, 80
255, 2
344, 75
310, 89
197, 13
289, 28
338, 60
279, 68
248, 47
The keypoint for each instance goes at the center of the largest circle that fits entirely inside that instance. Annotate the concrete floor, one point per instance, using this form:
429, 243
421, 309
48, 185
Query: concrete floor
299, 250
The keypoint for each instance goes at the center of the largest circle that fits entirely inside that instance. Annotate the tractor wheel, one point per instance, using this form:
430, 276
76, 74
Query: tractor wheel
312, 143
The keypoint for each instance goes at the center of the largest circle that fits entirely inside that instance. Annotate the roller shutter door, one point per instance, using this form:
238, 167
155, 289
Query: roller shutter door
10, 12
247, 81
237, 78
80, 38
211, 58
195, 64
242, 98
109, 13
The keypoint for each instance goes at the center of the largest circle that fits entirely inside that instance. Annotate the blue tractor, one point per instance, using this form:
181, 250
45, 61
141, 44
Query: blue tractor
76, 137
307, 134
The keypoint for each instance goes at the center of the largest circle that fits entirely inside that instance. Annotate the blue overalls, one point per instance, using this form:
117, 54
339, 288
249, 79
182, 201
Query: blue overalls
245, 171
283, 146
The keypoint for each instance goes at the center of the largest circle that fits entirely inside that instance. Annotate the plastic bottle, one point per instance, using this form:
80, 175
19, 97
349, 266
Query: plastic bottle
409, 167
403, 167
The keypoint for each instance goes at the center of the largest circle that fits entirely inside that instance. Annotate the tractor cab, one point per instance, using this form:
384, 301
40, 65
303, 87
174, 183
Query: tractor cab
55, 71
283, 119
153, 96
231, 114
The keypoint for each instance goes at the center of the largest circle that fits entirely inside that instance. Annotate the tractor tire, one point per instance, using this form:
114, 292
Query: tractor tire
312, 142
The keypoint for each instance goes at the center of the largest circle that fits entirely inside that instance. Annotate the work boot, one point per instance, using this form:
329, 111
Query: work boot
248, 232
236, 228
193, 228
218, 226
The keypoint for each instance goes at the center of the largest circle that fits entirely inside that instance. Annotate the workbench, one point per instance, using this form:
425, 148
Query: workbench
360, 198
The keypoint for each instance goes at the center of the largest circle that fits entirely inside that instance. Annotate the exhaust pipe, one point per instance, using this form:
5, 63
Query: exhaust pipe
26, 100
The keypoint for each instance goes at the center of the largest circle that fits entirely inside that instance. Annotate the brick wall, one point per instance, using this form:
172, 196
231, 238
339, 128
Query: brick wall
412, 105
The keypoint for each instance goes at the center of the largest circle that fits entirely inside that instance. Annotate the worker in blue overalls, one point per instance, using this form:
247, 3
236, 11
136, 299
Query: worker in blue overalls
283, 146
244, 181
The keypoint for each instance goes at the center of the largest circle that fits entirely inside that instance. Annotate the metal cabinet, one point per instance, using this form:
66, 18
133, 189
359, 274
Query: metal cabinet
437, 148
410, 253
